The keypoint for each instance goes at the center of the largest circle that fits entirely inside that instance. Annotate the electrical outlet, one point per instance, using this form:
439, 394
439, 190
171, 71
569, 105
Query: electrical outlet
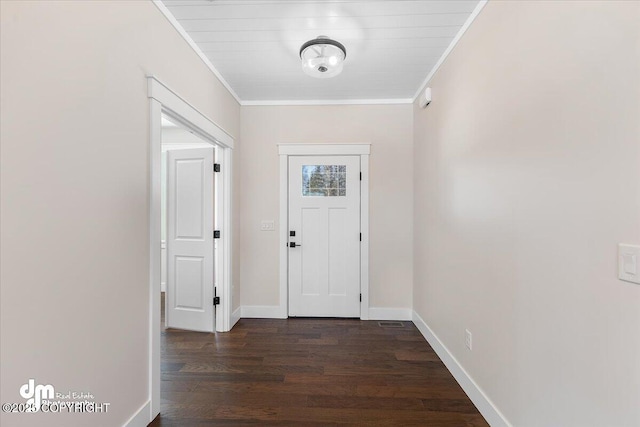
267, 226
468, 339
628, 260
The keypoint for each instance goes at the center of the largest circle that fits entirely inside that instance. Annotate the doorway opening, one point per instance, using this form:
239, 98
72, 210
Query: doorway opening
189, 212
164, 102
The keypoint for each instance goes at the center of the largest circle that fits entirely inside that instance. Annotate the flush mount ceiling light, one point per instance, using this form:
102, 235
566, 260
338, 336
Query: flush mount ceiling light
322, 57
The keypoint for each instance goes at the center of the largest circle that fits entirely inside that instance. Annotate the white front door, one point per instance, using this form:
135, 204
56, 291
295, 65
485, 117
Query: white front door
324, 236
190, 222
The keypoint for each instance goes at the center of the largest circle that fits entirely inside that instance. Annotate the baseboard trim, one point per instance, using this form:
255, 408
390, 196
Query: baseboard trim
384, 313
262, 312
488, 410
235, 316
275, 312
141, 417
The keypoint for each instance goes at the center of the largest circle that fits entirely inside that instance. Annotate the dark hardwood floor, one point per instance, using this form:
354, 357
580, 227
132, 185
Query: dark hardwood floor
308, 372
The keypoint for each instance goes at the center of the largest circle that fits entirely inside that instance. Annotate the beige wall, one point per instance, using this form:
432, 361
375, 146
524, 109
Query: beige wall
527, 176
74, 183
524, 178
389, 130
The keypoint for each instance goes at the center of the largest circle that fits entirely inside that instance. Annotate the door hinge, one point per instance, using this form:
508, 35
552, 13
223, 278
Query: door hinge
216, 167
360, 176
216, 300
361, 237
360, 297
216, 234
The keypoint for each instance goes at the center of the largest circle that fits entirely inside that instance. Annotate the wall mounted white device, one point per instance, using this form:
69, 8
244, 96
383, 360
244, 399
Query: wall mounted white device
628, 263
425, 98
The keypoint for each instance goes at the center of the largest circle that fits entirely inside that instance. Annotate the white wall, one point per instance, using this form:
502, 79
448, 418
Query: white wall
74, 194
389, 130
527, 176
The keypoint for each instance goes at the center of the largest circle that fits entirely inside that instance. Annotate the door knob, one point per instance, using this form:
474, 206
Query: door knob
293, 245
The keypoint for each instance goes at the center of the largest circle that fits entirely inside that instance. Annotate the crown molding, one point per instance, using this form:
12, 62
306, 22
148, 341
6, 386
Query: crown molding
451, 46
173, 21
328, 102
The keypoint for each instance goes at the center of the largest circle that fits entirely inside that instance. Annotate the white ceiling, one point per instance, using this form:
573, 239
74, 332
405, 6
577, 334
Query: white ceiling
392, 45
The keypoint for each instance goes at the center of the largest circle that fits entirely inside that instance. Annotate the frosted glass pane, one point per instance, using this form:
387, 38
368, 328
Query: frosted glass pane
324, 180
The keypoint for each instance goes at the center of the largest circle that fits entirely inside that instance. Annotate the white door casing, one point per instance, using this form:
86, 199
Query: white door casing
190, 245
163, 100
324, 253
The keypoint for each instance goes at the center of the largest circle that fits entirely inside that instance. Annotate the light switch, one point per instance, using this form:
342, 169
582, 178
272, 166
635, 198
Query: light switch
628, 256
267, 225
629, 263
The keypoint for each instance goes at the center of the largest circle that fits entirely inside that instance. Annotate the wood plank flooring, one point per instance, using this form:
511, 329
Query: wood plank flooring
308, 372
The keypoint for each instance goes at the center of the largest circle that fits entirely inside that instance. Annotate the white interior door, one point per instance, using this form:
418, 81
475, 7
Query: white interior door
324, 236
190, 247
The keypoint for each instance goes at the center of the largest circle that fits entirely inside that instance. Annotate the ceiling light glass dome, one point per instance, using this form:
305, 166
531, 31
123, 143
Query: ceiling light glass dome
322, 57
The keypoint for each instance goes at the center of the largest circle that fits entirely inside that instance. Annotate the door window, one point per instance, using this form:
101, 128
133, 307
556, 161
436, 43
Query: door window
324, 180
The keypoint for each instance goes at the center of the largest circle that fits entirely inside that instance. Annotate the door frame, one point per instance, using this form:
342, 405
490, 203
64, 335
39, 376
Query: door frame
286, 150
162, 100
